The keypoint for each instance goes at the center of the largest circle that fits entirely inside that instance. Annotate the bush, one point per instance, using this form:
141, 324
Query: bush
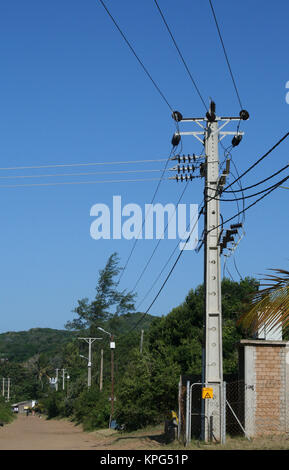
148, 390
52, 405
92, 409
6, 414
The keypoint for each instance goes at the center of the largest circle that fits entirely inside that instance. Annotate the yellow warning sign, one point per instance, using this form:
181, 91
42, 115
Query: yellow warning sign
207, 392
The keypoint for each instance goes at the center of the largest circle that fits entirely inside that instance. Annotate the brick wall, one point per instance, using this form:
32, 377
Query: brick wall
266, 375
270, 389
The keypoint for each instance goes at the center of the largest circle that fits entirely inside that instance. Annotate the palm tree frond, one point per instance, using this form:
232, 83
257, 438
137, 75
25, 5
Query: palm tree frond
270, 305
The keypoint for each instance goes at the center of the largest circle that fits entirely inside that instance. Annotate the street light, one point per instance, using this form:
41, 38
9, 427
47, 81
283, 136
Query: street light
112, 348
84, 357
67, 386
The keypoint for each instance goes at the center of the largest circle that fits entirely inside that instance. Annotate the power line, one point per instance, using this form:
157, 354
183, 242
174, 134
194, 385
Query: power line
251, 205
80, 174
38, 167
259, 182
258, 161
144, 269
240, 185
82, 182
157, 245
169, 274
226, 55
235, 264
180, 54
136, 56
227, 151
252, 195
152, 201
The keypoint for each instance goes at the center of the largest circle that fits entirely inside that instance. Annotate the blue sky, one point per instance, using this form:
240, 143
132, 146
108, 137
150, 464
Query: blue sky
72, 92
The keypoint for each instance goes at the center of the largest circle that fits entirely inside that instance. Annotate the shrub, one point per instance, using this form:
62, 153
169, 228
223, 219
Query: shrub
92, 409
6, 414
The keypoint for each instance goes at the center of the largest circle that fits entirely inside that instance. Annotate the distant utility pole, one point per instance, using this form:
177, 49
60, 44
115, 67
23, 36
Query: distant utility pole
101, 370
89, 341
112, 348
56, 381
63, 378
141, 341
210, 135
8, 387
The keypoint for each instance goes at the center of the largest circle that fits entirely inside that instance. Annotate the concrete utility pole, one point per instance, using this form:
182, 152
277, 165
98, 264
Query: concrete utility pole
101, 370
210, 135
112, 348
89, 341
63, 378
141, 341
56, 383
8, 389
212, 271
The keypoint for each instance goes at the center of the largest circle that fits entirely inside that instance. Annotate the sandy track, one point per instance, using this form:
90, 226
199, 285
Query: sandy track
33, 433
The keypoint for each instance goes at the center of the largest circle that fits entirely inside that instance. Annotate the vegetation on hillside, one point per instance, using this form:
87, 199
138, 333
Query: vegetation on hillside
22, 345
145, 382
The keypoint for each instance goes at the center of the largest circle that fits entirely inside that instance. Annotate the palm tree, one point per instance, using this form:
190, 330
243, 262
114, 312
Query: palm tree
40, 369
270, 305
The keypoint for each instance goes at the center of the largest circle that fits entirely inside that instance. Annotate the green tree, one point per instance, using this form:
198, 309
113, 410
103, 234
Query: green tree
92, 409
148, 389
6, 415
108, 302
181, 331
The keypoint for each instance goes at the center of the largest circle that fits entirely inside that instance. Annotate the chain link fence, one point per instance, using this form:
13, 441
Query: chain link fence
192, 421
235, 411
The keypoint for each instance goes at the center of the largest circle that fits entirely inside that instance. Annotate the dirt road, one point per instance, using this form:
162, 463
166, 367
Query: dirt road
33, 433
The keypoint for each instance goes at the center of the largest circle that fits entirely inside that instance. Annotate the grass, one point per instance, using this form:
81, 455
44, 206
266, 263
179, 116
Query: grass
280, 442
154, 438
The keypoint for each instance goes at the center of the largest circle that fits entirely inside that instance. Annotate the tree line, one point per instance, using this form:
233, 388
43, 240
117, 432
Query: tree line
145, 379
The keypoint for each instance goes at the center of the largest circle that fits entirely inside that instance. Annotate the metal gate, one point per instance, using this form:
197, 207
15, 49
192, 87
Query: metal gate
192, 420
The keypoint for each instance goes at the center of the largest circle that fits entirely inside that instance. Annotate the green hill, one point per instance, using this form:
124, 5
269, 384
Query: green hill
19, 346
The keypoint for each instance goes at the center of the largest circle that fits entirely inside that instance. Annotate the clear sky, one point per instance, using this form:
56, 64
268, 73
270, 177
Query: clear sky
72, 92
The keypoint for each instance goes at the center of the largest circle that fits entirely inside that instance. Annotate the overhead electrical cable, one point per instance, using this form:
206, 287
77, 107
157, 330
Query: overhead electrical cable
39, 167
269, 191
235, 264
136, 56
79, 174
258, 161
152, 201
181, 55
251, 205
259, 182
250, 195
169, 274
82, 182
168, 260
157, 245
226, 55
